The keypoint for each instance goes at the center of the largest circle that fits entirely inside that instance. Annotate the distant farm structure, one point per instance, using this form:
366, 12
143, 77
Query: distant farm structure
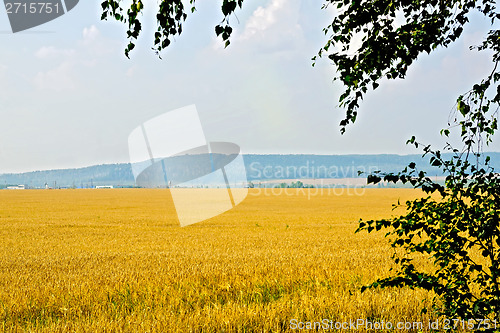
18, 187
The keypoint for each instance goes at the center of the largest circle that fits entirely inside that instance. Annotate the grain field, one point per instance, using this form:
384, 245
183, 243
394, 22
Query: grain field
117, 261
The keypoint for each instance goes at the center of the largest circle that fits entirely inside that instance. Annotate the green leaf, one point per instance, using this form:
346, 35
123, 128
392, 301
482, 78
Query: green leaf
219, 30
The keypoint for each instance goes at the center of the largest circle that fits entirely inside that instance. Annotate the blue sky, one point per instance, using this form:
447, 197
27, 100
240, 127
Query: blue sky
70, 98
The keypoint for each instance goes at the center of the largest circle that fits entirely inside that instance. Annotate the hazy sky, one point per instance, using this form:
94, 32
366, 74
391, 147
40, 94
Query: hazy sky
70, 98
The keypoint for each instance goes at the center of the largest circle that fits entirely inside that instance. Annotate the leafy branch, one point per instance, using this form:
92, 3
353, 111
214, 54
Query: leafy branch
455, 227
170, 17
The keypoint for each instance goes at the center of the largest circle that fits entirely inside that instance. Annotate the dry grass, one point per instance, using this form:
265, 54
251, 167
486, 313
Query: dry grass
116, 260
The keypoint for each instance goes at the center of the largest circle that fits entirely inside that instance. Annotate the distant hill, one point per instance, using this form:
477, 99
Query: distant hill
259, 168
106, 174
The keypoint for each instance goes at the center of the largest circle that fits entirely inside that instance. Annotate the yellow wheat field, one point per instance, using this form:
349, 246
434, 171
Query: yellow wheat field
117, 260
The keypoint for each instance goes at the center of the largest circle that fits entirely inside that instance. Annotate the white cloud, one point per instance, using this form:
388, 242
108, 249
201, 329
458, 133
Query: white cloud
58, 79
50, 52
90, 34
95, 45
274, 27
88, 52
262, 19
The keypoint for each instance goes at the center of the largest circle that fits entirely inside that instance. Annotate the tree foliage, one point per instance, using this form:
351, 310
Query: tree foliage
456, 226
393, 35
170, 17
